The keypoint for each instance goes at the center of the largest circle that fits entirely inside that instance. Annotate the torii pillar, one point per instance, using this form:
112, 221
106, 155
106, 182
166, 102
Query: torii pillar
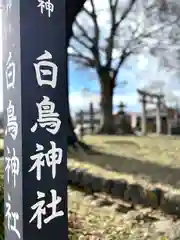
158, 116
143, 116
159, 99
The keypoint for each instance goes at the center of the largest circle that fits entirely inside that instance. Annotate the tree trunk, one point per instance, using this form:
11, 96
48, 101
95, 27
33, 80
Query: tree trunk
71, 13
72, 138
107, 119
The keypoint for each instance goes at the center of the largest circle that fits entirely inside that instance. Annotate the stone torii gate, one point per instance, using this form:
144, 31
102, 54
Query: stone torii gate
35, 39
145, 98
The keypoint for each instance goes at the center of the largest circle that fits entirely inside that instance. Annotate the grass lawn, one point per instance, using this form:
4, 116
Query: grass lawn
148, 160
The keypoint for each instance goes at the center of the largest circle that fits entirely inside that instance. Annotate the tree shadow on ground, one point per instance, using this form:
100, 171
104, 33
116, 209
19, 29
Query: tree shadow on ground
124, 142
156, 173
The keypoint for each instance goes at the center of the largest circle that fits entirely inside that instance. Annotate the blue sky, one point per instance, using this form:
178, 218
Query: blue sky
80, 79
144, 72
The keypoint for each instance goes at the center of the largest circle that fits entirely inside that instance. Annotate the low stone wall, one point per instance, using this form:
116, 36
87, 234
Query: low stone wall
121, 189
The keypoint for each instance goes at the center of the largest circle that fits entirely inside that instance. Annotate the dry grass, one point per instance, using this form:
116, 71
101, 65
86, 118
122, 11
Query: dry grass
1, 143
89, 221
93, 222
164, 150
148, 160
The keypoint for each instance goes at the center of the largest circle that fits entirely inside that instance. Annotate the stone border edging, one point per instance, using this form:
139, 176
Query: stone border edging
121, 189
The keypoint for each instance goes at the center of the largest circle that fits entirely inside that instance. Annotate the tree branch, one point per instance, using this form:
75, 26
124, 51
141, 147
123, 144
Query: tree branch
126, 12
124, 56
81, 42
84, 61
139, 39
95, 47
133, 40
114, 26
84, 32
77, 54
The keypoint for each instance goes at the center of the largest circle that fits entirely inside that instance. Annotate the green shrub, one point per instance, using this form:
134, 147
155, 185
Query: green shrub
125, 125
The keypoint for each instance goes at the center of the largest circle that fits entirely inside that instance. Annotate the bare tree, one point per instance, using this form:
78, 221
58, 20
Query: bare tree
168, 50
106, 48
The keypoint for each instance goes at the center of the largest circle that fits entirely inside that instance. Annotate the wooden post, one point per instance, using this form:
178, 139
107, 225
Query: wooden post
35, 106
143, 117
158, 116
91, 111
143, 101
169, 127
81, 124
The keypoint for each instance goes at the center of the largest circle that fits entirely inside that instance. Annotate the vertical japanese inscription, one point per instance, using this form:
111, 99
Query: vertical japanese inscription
12, 217
48, 118
46, 72
11, 166
40, 208
12, 125
46, 6
50, 159
12, 161
34, 120
10, 72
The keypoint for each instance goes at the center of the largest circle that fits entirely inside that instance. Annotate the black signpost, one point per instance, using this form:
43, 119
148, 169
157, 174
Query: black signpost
35, 108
